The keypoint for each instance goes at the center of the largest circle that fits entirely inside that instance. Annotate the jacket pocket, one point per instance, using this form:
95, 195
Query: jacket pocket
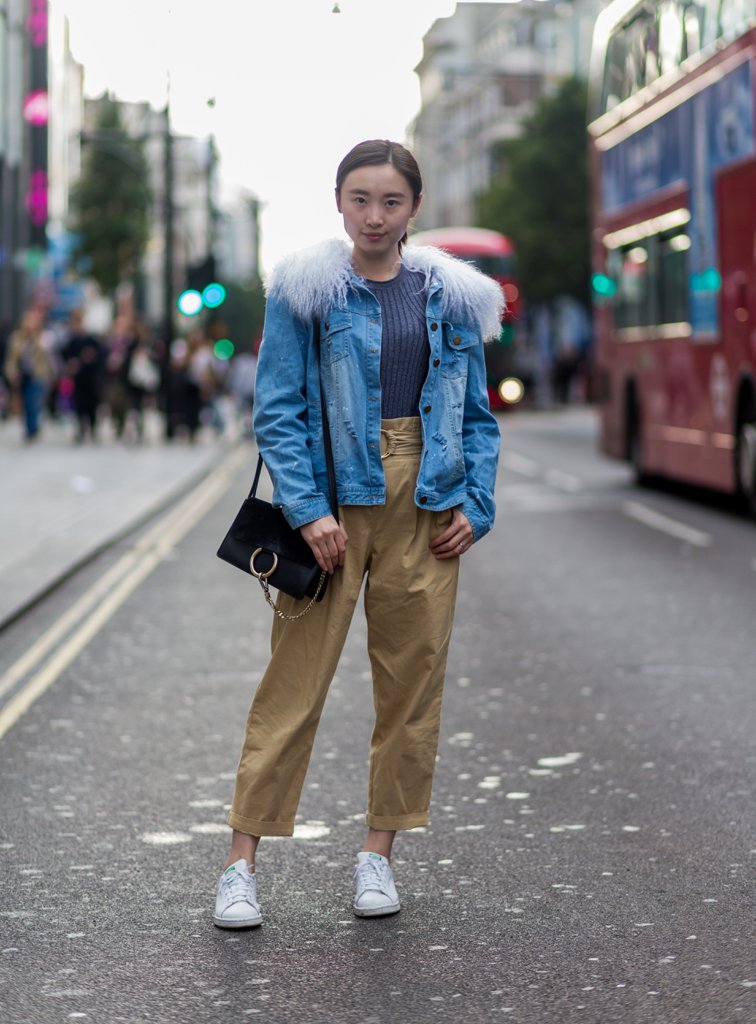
334, 337
457, 345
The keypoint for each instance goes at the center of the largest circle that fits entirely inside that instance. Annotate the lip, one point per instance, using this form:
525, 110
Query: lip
374, 236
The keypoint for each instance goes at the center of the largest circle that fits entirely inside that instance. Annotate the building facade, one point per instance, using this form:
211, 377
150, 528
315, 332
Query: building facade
483, 70
40, 116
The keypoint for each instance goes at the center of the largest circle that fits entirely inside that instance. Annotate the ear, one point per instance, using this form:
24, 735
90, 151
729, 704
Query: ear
338, 199
417, 204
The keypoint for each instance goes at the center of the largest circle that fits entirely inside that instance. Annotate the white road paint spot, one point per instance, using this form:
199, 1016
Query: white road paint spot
559, 762
209, 828
517, 796
461, 739
205, 803
81, 867
437, 947
490, 782
81, 484
540, 771
631, 828
465, 828
166, 838
562, 481
464, 682
645, 924
748, 984
520, 464
76, 935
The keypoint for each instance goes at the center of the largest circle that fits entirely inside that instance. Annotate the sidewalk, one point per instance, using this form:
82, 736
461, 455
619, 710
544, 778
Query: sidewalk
62, 503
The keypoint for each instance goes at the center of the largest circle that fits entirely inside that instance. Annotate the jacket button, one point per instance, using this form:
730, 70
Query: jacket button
426, 408
436, 362
327, 325
456, 340
434, 327
423, 500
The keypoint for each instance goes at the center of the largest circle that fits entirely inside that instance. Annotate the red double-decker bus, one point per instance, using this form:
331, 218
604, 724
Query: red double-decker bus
673, 137
494, 254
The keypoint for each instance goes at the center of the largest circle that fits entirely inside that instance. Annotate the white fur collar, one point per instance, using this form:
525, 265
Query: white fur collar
314, 280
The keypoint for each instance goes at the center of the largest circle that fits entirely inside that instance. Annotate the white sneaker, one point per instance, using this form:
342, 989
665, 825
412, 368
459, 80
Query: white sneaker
375, 892
236, 905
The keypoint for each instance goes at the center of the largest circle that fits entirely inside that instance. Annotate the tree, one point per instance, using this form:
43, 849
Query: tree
541, 200
111, 202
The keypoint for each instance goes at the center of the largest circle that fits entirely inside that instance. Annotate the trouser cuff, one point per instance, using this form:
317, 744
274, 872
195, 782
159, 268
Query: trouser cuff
397, 822
255, 827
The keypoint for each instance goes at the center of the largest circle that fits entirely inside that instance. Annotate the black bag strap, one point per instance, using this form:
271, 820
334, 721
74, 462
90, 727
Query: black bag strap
326, 438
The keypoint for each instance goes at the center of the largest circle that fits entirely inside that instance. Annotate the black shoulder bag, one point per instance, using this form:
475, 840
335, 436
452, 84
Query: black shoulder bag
260, 541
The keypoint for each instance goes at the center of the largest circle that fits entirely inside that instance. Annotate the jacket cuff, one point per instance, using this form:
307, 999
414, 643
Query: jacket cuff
480, 525
303, 512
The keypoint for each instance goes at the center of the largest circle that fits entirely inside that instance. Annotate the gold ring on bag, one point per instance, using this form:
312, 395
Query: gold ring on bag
263, 578
262, 575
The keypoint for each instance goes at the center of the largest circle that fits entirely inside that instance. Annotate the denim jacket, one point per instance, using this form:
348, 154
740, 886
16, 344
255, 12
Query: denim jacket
461, 437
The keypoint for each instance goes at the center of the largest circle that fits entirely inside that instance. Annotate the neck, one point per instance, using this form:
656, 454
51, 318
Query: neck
383, 269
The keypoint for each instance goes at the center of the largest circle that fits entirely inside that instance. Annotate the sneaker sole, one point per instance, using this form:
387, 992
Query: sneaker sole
251, 922
377, 911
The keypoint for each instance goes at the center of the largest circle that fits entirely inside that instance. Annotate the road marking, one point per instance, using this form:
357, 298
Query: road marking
110, 592
563, 481
665, 524
520, 464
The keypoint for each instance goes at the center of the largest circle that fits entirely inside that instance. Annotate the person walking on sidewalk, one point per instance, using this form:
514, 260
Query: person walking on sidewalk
415, 451
83, 356
29, 367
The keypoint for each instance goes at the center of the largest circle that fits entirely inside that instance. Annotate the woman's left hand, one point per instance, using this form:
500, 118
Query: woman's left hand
457, 538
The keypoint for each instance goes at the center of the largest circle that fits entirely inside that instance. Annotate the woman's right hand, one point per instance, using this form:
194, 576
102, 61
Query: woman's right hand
328, 541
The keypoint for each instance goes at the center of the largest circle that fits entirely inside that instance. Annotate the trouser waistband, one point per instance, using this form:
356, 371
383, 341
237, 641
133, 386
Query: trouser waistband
401, 436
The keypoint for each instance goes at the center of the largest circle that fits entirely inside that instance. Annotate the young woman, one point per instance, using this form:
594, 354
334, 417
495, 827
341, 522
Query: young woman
415, 451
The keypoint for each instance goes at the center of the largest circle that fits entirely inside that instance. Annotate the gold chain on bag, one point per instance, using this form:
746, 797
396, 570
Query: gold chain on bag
263, 580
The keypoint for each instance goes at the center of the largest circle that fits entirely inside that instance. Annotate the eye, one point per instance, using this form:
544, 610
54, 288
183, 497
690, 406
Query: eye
360, 200
392, 202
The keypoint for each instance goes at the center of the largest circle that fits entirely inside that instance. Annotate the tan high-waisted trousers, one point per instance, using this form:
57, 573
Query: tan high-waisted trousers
409, 606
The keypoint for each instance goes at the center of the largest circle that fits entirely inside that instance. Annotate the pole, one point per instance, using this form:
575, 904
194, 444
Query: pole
168, 332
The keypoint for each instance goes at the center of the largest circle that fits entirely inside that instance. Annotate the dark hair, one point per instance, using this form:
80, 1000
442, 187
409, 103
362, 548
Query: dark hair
382, 151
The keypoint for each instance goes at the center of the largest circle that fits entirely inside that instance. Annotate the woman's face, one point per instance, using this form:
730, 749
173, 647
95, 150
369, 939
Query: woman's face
377, 204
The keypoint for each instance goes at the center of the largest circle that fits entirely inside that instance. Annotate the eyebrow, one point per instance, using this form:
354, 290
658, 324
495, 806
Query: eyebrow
386, 195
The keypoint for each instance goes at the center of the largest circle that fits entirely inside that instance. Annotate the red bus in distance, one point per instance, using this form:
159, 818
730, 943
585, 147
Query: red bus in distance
493, 254
673, 155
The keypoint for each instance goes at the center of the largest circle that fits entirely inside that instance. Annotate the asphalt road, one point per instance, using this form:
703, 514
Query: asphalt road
590, 856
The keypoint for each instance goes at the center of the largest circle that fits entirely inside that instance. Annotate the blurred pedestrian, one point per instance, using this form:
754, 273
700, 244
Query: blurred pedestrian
142, 375
241, 386
116, 363
415, 451
83, 356
29, 368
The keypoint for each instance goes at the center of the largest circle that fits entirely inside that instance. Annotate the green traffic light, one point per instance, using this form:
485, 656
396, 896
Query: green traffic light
189, 302
604, 286
223, 348
214, 295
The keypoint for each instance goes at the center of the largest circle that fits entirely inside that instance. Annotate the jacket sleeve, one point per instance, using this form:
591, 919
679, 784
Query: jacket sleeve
480, 443
280, 415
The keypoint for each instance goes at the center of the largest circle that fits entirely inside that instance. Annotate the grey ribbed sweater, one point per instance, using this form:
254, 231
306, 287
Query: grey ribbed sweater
405, 350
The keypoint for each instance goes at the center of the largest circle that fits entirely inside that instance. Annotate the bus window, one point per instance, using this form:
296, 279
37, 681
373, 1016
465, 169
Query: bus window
673, 277
630, 267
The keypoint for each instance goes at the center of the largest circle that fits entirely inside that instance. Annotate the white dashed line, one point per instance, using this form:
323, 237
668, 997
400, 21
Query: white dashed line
665, 524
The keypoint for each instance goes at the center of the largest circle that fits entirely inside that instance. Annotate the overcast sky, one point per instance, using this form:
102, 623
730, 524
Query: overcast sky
295, 86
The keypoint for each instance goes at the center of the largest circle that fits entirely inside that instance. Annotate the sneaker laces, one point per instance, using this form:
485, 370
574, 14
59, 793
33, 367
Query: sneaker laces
372, 874
236, 888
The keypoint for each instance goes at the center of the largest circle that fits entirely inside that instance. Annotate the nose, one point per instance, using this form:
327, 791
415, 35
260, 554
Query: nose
375, 215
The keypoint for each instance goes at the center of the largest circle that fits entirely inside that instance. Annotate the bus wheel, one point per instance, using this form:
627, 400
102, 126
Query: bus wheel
635, 448
745, 462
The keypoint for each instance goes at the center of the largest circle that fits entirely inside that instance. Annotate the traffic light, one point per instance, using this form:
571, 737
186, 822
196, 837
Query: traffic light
202, 291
